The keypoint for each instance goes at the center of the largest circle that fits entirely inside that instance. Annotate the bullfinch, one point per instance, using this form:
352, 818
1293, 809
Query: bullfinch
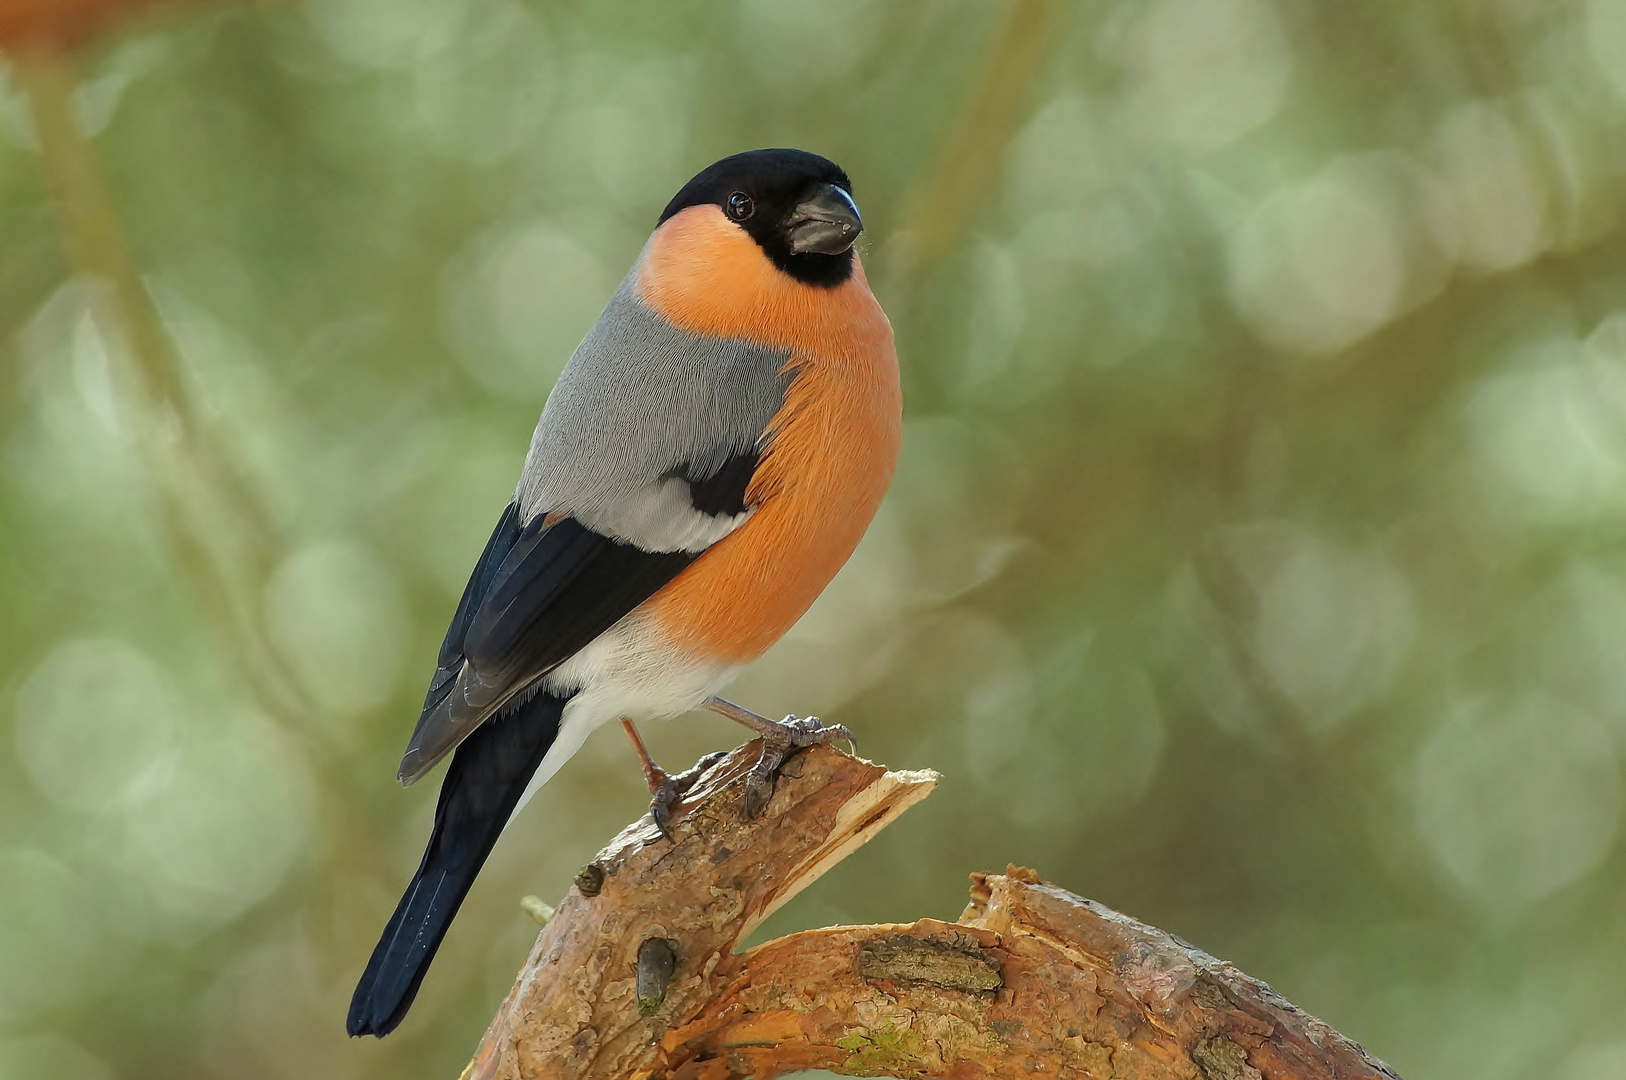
709, 458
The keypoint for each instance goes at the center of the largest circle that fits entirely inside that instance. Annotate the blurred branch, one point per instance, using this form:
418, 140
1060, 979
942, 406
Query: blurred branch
972, 153
218, 531
636, 975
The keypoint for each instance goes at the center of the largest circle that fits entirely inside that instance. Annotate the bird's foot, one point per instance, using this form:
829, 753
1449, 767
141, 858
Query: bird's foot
665, 790
779, 741
663, 793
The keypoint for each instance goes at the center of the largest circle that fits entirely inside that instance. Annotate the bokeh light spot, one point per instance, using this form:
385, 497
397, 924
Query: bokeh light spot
1056, 162
338, 618
1584, 651
1205, 72
95, 723
1209, 668
1551, 433
232, 819
1500, 203
1317, 267
1517, 799
791, 44
996, 709
71, 457
638, 131
487, 95
1332, 627
1096, 738
516, 304
942, 459
1321, 264
386, 33
994, 316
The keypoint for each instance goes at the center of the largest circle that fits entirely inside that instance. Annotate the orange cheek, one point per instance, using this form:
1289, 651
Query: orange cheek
703, 273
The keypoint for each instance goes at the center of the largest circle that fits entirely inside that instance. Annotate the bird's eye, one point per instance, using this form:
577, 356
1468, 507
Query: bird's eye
741, 206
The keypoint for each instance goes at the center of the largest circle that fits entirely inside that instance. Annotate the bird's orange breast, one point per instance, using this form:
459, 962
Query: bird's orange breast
832, 446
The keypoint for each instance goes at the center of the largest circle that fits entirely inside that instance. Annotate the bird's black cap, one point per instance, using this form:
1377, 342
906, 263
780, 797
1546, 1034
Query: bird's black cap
797, 206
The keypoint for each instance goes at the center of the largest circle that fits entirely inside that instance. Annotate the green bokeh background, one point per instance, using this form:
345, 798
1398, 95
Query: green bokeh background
1256, 563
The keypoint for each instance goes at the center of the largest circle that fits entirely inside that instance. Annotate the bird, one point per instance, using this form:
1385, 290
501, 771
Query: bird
708, 459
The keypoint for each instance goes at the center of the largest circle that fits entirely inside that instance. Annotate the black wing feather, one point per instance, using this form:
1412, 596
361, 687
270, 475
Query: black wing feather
542, 591
557, 590
539, 594
502, 541
723, 492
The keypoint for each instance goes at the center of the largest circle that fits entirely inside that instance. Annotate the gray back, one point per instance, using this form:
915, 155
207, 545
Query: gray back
640, 400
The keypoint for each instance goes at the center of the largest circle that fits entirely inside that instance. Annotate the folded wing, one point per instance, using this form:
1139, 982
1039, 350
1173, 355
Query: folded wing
641, 462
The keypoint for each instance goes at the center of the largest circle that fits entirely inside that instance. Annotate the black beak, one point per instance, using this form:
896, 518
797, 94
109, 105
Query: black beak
826, 222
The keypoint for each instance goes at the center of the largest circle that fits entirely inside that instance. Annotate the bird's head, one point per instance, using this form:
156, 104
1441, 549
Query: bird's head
797, 207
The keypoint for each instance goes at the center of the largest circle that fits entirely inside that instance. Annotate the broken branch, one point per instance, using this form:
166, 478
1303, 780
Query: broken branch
637, 976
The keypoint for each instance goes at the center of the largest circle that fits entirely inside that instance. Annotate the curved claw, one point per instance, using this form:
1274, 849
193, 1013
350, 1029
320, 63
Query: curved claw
844, 734
667, 790
791, 734
757, 793
660, 806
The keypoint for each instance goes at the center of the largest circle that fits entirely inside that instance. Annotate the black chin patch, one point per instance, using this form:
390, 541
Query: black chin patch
776, 180
825, 271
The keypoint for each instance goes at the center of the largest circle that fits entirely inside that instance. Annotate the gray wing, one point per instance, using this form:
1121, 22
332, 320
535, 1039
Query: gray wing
639, 463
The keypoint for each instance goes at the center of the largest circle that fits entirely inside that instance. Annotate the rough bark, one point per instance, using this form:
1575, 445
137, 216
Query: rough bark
636, 975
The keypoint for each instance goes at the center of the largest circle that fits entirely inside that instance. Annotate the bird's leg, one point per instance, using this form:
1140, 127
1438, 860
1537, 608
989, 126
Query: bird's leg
780, 738
665, 789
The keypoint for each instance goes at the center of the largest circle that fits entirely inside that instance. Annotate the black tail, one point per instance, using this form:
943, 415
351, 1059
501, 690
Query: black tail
487, 776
